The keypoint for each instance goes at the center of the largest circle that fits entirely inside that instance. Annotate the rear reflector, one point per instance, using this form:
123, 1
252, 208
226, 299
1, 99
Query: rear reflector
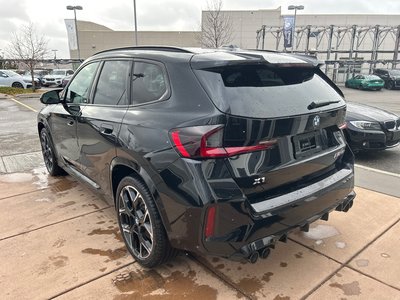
210, 222
207, 142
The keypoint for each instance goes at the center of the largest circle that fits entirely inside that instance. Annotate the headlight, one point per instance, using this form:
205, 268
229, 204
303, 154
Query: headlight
366, 125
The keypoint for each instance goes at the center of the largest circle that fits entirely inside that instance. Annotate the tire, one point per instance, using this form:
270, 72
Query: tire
140, 224
49, 155
17, 85
389, 85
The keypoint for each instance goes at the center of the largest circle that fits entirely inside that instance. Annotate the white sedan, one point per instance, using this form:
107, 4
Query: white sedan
12, 79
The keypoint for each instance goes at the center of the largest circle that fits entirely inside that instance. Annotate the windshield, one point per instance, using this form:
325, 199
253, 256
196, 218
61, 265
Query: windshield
395, 72
11, 73
58, 72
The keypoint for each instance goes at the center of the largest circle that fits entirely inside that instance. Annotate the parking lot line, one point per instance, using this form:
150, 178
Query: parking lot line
23, 104
376, 170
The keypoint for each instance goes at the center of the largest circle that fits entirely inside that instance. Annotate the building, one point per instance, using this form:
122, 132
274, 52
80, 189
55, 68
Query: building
332, 37
95, 37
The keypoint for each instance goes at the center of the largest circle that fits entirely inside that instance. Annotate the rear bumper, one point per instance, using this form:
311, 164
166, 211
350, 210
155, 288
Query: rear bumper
240, 227
271, 220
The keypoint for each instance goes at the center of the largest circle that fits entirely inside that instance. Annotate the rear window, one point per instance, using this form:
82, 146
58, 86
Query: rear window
260, 91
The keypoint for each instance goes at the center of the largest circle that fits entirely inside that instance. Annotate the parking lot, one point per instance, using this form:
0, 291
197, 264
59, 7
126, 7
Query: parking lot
61, 240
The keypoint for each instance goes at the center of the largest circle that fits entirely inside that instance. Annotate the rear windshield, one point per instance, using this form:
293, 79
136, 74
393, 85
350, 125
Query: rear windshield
260, 91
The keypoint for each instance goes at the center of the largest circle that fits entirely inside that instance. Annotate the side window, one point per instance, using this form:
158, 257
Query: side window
79, 88
149, 83
112, 86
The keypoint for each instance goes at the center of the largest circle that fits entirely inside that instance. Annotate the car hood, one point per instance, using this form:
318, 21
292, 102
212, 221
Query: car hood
362, 112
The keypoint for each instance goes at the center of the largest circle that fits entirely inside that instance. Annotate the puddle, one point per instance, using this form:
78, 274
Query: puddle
250, 285
299, 255
149, 284
57, 261
283, 264
59, 243
279, 297
321, 232
62, 185
362, 262
114, 231
16, 177
111, 254
340, 245
66, 204
220, 266
349, 289
267, 276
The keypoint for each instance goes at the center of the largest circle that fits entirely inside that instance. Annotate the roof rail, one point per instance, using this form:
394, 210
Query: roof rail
154, 48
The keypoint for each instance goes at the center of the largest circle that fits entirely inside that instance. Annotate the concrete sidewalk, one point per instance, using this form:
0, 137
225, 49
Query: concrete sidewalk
60, 240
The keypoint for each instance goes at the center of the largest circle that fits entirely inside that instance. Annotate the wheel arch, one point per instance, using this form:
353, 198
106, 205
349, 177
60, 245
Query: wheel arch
120, 168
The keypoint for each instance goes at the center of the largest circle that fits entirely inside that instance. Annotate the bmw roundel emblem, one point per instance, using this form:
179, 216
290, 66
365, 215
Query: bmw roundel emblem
316, 121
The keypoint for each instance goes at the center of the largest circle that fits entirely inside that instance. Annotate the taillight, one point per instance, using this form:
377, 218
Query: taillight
343, 126
207, 142
210, 222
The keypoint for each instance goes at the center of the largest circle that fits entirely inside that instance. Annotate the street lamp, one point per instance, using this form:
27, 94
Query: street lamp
55, 53
295, 8
75, 8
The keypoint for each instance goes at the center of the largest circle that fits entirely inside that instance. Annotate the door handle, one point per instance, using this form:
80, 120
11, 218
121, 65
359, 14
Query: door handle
70, 123
106, 129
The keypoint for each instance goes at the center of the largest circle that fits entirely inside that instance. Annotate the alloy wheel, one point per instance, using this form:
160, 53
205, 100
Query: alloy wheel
47, 151
136, 223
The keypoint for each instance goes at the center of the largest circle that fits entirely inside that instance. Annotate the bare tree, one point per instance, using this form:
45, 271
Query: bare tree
27, 46
216, 27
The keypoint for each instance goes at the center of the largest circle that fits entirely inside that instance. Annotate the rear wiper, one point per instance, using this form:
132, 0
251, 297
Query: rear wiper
316, 104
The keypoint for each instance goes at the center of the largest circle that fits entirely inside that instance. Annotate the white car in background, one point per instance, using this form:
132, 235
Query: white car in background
56, 77
12, 79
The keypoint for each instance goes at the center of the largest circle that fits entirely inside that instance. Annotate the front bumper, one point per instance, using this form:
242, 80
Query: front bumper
366, 140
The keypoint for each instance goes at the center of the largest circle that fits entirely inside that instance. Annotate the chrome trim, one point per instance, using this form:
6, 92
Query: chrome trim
305, 192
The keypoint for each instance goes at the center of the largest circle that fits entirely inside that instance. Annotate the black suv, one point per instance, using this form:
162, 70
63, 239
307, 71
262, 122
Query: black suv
210, 151
391, 77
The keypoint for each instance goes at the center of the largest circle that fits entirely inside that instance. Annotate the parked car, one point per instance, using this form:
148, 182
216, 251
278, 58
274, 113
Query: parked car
365, 82
370, 128
66, 80
391, 77
28, 80
56, 76
211, 151
12, 79
38, 77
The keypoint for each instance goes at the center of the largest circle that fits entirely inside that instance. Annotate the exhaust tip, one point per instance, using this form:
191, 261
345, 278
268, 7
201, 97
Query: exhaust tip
253, 257
265, 253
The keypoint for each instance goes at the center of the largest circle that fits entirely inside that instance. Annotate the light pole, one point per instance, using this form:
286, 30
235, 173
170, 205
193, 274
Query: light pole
134, 14
55, 53
75, 8
295, 8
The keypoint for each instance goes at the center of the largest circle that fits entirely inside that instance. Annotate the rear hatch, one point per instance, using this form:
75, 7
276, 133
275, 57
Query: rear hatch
282, 109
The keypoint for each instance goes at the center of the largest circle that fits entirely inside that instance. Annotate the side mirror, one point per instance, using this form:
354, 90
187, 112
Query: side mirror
51, 97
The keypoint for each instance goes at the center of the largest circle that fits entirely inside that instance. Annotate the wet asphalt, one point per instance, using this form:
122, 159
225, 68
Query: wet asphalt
58, 239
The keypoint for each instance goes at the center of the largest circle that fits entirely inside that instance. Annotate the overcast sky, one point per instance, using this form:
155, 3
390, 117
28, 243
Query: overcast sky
48, 15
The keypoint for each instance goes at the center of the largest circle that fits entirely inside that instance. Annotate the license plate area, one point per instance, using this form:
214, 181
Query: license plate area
307, 144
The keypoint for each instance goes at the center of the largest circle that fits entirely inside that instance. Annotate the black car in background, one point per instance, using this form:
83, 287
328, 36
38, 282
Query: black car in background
391, 77
370, 128
215, 152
